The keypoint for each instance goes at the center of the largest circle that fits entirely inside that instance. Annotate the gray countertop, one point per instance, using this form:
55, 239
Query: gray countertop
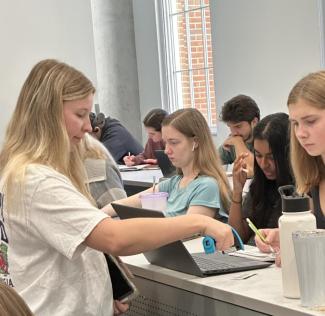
261, 292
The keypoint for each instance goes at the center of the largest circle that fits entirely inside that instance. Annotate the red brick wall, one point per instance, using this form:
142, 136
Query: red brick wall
197, 57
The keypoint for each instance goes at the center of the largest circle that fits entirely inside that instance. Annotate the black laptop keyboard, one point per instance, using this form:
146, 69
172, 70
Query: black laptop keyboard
216, 261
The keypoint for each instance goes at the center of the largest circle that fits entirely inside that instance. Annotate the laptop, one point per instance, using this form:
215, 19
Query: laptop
165, 165
175, 256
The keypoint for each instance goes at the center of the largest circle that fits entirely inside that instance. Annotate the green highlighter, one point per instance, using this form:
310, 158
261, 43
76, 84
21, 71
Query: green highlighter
255, 230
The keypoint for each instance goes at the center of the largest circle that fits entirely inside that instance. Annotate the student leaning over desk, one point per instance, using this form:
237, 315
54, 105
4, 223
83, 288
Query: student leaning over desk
262, 203
306, 104
152, 125
241, 114
56, 235
114, 136
201, 185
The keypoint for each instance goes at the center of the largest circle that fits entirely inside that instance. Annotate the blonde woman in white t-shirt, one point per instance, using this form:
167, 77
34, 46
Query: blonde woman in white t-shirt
56, 234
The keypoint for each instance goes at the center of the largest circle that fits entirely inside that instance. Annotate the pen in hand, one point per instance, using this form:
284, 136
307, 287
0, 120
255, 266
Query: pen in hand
258, 233
154, 184
129, 157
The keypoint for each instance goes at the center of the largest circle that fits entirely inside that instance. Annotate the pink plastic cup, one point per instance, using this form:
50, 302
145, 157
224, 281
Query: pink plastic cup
154, 200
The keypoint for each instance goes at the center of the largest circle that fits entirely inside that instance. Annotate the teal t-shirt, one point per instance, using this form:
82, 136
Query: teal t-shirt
202, 191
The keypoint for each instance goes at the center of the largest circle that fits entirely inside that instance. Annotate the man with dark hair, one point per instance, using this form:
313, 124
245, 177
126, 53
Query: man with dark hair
241, 114
114, 136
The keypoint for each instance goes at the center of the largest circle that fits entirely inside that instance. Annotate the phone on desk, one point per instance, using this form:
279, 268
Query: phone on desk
123, 288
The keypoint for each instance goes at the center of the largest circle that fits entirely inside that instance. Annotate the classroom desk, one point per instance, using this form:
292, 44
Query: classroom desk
137, 181
166, 292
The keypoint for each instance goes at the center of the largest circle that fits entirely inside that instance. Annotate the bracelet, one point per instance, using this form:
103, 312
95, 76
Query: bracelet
236, 202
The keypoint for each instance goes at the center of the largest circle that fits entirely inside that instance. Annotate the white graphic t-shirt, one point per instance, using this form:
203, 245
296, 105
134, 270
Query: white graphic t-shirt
49, 264
4, 272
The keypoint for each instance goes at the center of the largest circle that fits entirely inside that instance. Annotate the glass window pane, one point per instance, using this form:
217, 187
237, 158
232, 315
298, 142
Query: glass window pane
196, 39
200, 95
194, 4
208, 36
214, 115
191, 81
185, 5
184, 92
178, 6
180, 42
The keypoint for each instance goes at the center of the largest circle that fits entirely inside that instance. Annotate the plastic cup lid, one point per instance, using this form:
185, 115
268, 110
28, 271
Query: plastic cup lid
153, 195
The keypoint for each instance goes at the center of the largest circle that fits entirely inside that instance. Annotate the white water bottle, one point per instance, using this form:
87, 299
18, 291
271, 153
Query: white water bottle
296, 215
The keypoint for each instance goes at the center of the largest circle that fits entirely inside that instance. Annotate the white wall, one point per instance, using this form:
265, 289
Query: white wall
261, 48
38, 29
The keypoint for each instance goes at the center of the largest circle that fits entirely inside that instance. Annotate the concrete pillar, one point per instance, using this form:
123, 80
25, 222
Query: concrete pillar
115, 54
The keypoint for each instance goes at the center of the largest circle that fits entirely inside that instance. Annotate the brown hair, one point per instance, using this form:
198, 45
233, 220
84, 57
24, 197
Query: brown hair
308, 170
240, 108
154, 118
192, 123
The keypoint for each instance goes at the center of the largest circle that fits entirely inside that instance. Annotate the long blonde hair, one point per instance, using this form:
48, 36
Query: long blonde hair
192, 124
308, 170
37, 133
93, 148
11, 303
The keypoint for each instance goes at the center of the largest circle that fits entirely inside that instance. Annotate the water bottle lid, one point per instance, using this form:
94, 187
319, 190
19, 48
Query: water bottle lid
292, 201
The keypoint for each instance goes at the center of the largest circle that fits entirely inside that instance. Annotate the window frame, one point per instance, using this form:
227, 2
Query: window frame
171, 90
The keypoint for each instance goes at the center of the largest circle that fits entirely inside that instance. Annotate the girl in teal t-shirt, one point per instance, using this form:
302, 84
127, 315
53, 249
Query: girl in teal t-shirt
201, 185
